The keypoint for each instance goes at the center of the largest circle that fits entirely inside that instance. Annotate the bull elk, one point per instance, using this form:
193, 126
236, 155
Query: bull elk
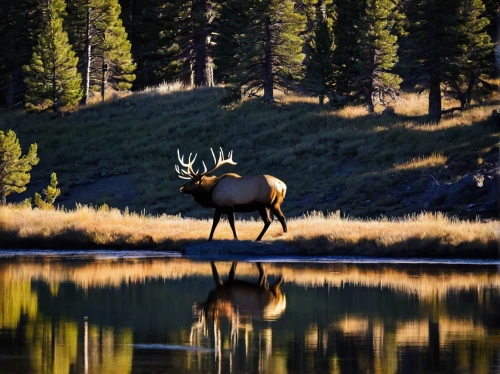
230, 193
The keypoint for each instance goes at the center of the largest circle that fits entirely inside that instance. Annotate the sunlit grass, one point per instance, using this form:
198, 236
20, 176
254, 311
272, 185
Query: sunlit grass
432, 161
432, 235
352, 111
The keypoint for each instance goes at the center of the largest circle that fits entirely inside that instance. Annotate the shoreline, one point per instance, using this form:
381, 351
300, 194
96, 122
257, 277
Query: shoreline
419, 236
147, 254
228, 249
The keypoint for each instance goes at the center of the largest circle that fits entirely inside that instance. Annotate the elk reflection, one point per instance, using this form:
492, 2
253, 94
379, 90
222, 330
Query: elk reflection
258, 300
240, 302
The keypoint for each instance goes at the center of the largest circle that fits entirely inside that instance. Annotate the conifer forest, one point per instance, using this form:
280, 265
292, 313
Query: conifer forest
55, 54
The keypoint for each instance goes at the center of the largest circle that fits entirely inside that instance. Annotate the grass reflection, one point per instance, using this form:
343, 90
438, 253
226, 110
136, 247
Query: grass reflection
339, 318
425, 283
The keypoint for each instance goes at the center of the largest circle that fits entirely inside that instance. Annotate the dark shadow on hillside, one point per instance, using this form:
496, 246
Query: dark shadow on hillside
135, 139
138, 98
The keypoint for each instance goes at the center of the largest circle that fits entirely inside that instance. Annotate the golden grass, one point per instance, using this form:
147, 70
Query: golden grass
427, 285
421, 235
422, 162
110, 95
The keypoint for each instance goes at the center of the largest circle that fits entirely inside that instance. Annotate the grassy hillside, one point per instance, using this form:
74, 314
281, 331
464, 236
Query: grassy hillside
123, 152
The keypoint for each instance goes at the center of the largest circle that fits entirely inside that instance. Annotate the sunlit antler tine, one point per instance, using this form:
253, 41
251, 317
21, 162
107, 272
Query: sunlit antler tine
181, 159
213, 155
180, 176
191, 162
177, 169
204, 167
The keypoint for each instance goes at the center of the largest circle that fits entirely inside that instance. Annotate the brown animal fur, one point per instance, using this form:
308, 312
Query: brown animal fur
231, 193
245, 298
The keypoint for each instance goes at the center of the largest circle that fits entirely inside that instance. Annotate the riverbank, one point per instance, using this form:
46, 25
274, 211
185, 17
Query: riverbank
424, 235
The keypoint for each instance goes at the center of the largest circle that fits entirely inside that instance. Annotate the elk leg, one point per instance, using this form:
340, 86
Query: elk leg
281, 217
217, 215
230, 217
264, 213
215, 274
232, 272
262, 276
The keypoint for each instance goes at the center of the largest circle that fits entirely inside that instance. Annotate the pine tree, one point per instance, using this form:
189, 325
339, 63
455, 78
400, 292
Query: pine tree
116, 52
151, 28
98, 36
269, 48
473, 54
196, 21
319, 60
431, 41
378, 47
50, 194
232, 20
346, 46
52, 78
14, 169
19, 22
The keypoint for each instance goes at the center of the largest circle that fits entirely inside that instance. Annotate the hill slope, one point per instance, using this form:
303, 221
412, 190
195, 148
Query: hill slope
123, 153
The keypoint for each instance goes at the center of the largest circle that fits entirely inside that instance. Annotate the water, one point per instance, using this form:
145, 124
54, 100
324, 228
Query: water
119, 312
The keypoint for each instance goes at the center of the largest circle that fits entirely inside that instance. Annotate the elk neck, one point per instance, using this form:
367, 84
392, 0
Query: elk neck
203, 195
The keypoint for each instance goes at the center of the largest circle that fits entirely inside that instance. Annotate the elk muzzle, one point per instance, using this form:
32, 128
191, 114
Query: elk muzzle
182, 189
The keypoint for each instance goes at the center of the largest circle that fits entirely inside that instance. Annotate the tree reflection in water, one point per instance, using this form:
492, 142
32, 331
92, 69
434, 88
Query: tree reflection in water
336, 318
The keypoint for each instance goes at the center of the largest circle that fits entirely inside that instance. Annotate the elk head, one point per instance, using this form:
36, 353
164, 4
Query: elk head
200, 183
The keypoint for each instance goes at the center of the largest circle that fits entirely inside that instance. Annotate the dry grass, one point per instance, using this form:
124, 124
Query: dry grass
432, 161
424, 235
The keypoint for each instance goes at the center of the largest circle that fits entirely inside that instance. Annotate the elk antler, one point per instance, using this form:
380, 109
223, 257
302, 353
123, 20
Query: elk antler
189, 173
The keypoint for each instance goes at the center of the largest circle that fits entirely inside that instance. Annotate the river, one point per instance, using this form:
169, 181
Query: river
152, 312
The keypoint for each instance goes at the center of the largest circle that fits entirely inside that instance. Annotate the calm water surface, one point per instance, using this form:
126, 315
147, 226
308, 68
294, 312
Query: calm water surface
174, 315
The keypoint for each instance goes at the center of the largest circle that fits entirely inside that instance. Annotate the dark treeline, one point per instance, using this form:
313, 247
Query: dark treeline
54, 53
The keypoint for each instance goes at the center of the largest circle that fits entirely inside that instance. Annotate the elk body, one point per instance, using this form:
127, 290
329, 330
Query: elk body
244, 297
230, 193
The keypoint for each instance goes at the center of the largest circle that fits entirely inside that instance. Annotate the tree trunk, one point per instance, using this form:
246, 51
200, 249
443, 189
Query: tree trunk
3, 200
268, 66
435, 97
55, 99
468, 93
103, 81
203, 66
370, 105
87, 55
